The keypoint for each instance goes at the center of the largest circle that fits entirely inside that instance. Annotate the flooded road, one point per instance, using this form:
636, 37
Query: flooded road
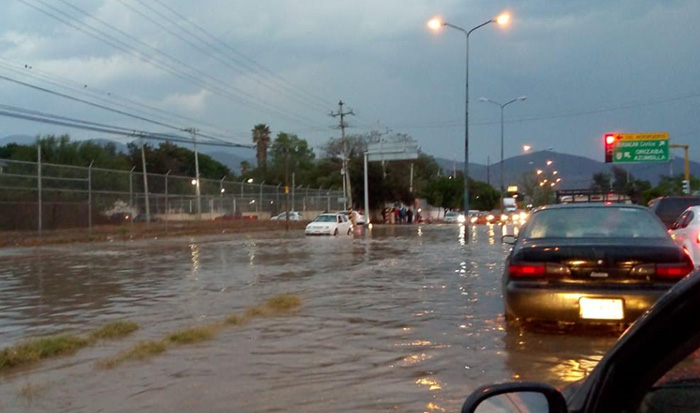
401, 319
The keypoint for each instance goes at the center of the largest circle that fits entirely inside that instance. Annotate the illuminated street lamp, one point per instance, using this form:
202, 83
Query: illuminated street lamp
436, 24
249, 180
526, 148
539, 172
194, 182
502, 106
549, 162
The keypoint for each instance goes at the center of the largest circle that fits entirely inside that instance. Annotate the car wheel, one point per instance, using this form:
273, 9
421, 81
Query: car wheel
336, 232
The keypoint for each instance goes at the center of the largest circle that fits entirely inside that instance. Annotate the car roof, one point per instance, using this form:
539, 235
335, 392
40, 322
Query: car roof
590, 205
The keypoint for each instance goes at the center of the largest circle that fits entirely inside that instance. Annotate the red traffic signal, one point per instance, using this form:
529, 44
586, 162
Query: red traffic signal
610, 141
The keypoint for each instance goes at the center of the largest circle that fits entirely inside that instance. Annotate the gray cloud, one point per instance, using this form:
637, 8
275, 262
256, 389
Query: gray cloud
567, 57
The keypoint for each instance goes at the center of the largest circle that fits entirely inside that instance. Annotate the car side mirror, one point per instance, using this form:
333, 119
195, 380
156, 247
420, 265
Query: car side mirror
509, 239
515, 397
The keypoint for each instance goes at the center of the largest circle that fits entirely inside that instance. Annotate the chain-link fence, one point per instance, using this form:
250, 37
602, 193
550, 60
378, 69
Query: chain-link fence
50, 196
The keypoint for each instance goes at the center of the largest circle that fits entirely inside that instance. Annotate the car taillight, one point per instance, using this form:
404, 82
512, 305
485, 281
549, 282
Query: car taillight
538, 270
674, 271
698, 238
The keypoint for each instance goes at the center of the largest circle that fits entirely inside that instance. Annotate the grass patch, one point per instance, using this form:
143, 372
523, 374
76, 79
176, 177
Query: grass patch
273, 306
283, 303
32, 351
236, 320
257, 311
192, 335
140, 351
114, 330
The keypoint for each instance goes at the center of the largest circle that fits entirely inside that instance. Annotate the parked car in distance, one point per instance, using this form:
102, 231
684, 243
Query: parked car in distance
686, 233
293, 216
590, 264
454, 216
668, 208
329, 224
652, 368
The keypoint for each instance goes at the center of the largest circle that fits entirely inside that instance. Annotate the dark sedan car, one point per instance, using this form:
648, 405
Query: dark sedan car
652, 368
590, 263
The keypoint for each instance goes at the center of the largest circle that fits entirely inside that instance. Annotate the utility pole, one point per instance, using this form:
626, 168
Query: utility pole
145, 181
286, 188
346, 176
193, 132
488, 170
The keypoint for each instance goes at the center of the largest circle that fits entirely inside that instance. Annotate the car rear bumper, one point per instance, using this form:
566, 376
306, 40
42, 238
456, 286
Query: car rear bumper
318, 232
561, 304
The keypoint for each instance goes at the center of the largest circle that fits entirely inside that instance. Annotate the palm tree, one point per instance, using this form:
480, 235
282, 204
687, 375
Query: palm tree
261, 139
245, 166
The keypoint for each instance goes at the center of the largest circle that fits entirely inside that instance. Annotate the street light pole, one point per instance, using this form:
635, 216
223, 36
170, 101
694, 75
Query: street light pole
436, 24
502, 106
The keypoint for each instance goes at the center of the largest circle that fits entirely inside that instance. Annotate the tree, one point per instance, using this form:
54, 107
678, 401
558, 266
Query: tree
448, 192
245, 167
354, 146
261, 139
601, 181
290, 154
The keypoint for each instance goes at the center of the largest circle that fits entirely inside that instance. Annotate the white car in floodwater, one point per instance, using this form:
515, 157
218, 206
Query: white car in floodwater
329, 224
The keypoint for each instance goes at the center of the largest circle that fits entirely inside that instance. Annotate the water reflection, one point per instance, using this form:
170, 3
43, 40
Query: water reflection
557, 357
194, 248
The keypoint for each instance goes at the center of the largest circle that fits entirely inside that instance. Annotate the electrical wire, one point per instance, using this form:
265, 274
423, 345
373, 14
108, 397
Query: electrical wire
43, 117
151, 59
248, 63
106, 97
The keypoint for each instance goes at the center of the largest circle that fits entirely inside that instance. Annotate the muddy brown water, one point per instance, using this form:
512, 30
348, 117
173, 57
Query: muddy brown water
399, 319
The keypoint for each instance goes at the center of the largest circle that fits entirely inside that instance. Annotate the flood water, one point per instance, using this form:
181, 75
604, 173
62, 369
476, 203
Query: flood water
400, 319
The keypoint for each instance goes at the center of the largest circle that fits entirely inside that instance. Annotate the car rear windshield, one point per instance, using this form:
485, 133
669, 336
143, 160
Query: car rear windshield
326, 218
612, 222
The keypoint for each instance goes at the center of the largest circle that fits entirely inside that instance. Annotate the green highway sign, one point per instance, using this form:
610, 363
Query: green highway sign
641, 148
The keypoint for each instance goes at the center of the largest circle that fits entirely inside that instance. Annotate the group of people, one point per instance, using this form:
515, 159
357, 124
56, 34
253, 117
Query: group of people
401, 215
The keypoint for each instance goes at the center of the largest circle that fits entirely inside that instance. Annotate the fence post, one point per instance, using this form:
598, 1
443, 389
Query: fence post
38, 174
317, 204
261, 197
145, 183
131, 187
90, 197
167, 205
221, 197
328, 198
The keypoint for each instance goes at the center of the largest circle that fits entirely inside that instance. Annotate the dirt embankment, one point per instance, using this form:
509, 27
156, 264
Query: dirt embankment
139, 230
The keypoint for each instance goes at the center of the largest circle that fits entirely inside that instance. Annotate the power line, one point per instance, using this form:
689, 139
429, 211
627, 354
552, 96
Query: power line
449, 124
149, 58
43, 117
100, 106
107, 97
253, 65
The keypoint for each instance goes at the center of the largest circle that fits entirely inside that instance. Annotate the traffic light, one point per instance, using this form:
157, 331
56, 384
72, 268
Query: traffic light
686, 187
610, 140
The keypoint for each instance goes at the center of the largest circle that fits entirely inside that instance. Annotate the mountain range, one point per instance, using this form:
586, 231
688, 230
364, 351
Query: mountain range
575, 171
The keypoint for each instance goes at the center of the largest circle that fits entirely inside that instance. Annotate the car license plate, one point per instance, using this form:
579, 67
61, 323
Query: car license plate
601, 308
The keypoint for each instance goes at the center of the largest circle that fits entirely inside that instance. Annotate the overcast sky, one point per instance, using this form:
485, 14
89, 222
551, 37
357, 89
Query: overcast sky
586, 68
